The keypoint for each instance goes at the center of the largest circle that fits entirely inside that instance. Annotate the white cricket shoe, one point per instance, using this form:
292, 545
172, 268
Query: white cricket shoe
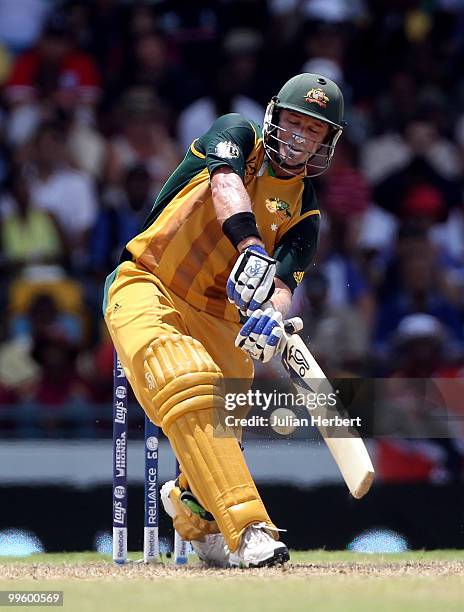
212, 550
258, 549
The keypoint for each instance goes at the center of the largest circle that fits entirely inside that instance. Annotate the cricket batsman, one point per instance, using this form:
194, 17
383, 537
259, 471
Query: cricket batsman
206, 285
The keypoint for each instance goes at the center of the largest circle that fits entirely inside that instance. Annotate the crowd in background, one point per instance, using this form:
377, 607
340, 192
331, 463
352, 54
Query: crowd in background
99, 102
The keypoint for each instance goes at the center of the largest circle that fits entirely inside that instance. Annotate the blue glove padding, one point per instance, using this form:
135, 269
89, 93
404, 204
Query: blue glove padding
251, 281
260, 336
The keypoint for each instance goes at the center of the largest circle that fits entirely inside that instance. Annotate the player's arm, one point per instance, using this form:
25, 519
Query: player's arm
296, 251
227, 146
230, 198
262, 334
294, 255
251, 281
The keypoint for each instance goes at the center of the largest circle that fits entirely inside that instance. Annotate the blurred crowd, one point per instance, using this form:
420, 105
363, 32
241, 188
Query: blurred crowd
99, 102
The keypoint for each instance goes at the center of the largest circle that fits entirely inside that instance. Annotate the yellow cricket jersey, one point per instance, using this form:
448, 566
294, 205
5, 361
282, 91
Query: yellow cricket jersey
182, 242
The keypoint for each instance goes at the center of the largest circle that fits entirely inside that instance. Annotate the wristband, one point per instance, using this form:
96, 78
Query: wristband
240, 226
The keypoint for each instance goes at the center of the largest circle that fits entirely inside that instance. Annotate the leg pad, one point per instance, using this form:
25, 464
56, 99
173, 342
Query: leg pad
187, 390
189, 525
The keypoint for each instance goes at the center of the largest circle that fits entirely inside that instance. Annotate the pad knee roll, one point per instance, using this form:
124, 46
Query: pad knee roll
183, 378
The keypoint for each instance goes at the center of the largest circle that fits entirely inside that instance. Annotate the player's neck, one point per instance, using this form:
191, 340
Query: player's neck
277, 171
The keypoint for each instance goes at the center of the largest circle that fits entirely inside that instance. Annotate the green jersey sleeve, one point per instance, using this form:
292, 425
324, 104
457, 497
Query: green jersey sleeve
297, 247
228, 142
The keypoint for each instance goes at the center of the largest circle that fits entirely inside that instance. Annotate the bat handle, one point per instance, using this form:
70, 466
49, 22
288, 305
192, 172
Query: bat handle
293, 325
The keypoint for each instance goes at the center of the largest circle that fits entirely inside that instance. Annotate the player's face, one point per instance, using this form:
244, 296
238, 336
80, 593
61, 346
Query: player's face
300, 137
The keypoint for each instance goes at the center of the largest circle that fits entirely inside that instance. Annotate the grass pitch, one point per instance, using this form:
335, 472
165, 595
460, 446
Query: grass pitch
315, 580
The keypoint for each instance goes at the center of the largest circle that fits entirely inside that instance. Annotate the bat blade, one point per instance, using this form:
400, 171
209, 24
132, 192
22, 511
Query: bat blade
345, 443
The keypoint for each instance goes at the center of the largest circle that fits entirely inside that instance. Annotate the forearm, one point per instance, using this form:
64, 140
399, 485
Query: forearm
229, 194
281, 298
229, 198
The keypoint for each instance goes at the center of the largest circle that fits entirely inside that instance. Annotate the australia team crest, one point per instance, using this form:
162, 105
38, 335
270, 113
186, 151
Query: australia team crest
278, 207
317, 96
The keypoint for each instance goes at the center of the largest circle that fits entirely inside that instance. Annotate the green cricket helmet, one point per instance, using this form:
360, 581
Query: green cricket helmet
315, 96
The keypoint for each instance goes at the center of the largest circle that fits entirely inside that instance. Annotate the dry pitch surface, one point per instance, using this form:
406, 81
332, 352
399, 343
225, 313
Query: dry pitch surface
315, 580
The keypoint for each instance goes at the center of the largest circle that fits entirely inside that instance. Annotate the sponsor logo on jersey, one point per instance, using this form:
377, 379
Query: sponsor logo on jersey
318, 97
278, 207
227, 150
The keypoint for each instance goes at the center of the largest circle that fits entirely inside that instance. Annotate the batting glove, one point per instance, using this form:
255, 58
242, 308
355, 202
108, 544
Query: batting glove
251, 281
263, 336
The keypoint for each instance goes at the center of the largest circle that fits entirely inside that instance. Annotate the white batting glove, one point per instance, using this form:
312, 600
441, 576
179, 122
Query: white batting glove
251, 281
262, 336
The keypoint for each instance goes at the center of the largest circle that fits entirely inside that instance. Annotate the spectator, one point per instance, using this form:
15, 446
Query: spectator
44, 317
228, 95
419, 342
29, 235
241, 51
96, 368
415, 236
53, 73
391, 116
420, 157
19, 373
120, 219
347, 285
338, 336
376, 239
423, 206
98, 29
21, 22
333, 11
142, 20
85, 145
150, 66
324, 45
345, 191
194, 31
7, 396
60, 382
418, 289
412, 407
144, 139
67, 193
449, 236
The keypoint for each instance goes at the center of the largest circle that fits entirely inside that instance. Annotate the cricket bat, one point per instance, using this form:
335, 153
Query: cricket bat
347, 448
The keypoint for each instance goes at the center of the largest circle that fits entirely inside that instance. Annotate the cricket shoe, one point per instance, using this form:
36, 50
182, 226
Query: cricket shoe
259, 549
210, 548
